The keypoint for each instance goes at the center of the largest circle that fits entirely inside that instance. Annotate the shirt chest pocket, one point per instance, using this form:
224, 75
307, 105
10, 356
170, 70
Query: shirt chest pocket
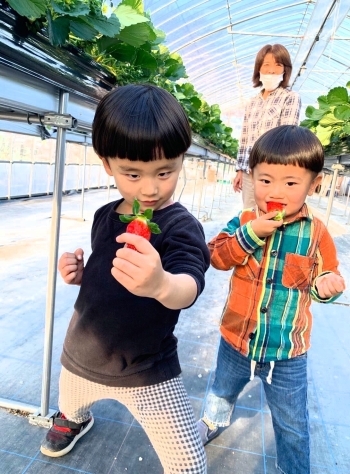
297, 271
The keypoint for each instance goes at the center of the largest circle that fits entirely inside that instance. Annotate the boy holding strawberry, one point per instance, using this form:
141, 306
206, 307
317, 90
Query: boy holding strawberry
120, 342
283, 257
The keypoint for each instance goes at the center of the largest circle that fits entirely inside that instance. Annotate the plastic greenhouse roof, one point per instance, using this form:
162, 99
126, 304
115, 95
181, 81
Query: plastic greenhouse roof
218, 41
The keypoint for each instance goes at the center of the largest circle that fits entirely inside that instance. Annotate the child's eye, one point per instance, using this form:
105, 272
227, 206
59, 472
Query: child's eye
291, 183
165, 174
132, 176
265, 181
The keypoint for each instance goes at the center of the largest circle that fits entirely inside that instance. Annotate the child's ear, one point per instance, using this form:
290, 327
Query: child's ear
316, 182
106, 166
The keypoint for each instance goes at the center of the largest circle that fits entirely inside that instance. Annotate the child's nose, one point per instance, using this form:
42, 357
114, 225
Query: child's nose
149, 188
277, 192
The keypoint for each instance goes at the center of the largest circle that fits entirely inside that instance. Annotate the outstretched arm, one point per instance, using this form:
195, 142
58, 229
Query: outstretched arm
233, 245
71, 266
142, 274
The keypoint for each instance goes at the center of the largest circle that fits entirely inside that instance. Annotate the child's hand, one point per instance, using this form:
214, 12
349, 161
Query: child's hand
264, 225
71, 266
329, 285
140, 272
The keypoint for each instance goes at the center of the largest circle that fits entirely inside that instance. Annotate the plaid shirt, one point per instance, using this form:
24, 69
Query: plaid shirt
267, 313
281, 107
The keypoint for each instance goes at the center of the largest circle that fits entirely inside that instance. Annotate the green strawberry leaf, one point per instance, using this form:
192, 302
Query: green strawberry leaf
126, 218
148, 213
136, 207
279, 216
154, 228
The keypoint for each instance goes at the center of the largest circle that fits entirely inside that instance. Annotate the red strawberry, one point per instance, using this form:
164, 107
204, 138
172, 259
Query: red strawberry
276, 206
139, 223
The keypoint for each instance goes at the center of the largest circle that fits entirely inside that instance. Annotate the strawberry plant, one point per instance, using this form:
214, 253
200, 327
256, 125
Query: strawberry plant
330, 121
120, 36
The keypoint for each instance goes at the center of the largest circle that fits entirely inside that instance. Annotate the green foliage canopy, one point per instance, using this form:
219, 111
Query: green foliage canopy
331, 120
120, 36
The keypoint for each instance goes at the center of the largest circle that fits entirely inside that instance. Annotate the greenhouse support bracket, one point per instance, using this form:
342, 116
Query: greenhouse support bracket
39, 420
60, 120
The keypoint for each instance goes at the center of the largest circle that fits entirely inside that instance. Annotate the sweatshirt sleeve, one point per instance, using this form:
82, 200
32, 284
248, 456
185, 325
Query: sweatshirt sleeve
183, 248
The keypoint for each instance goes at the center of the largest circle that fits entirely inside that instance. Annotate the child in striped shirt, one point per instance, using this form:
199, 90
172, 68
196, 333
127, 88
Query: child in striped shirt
279, 266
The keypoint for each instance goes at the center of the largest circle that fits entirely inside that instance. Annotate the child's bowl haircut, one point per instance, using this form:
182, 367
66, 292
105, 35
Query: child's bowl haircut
288, 145
140, 122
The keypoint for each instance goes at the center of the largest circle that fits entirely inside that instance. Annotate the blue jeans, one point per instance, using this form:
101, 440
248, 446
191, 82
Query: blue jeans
286, 397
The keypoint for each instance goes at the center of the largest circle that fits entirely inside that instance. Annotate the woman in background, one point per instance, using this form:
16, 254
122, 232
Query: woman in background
275, 105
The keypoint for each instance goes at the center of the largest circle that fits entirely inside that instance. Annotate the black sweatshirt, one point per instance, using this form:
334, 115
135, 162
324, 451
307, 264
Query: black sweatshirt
114, 337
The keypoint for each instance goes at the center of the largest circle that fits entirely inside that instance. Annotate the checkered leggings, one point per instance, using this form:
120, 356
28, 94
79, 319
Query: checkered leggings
163, 410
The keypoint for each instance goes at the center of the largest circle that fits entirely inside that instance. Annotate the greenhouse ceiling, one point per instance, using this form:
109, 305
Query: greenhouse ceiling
218, 41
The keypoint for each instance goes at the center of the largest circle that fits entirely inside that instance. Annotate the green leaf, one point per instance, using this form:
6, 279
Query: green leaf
348, 85
135, 207
338, 96
176, 71
160, 36
58, 29
208, 128
154, 228
308, 123
324, 134
136, 35
70, 8
329, 120
82, 29
215, 110
314, 114
126, 218
346, 128
187, 89
196, 102
179, 95
105, 26
148, 213
342, 112
128, 16
134, 4
145, 60
120, 51
323, 102
29, 8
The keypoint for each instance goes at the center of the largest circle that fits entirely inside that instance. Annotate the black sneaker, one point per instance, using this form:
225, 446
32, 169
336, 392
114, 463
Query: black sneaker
206, 433
63, 434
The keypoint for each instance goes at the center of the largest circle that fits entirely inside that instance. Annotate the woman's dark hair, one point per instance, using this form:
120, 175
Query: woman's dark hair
140, 122
281, 55
288, 145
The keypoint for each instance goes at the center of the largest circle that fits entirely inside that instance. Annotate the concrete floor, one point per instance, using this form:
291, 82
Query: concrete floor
117, 444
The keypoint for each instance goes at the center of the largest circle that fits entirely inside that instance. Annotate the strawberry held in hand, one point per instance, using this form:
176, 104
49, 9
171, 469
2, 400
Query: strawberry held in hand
276, 206
139, 223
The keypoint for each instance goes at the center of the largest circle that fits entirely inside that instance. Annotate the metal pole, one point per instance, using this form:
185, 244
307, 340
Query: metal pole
336, 168
83, 180
202, 178
52, 268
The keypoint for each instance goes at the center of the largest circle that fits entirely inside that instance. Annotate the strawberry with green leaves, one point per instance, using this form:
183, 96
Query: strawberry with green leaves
276, 206
139, 223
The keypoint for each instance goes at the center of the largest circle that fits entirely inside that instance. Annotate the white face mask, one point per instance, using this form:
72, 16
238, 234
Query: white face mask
270, 82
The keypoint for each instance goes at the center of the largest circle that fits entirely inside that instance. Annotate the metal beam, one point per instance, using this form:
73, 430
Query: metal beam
325, 20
